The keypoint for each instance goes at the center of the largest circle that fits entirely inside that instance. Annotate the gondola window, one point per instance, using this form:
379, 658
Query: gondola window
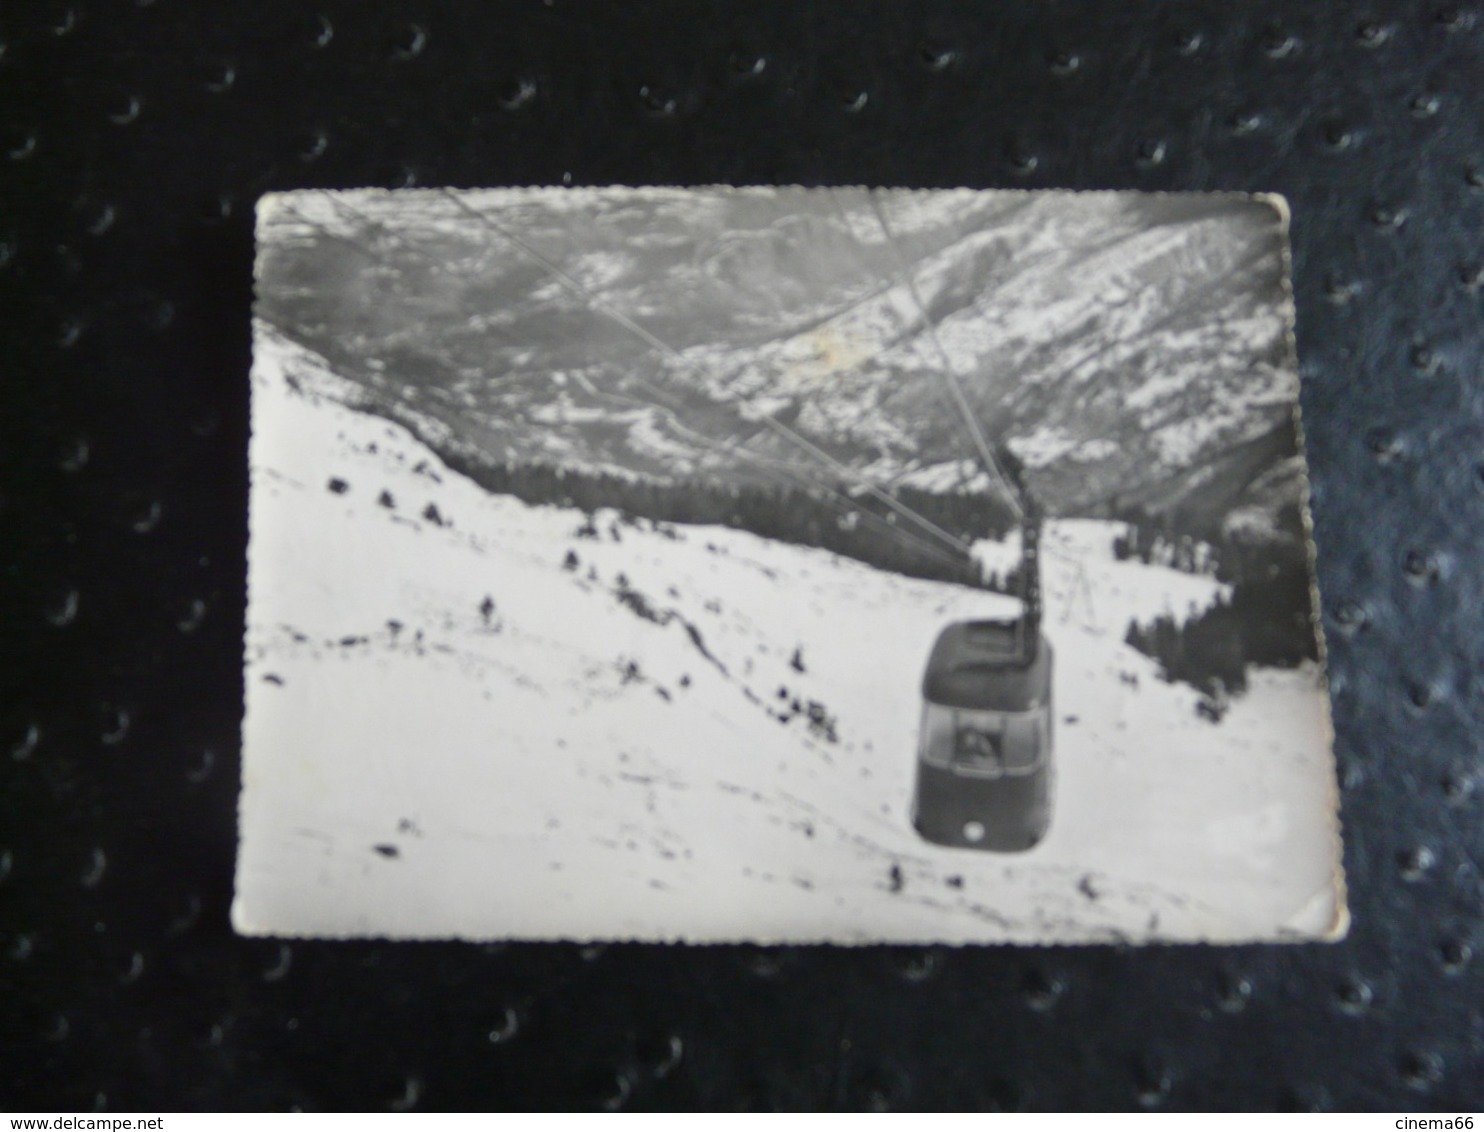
982, 744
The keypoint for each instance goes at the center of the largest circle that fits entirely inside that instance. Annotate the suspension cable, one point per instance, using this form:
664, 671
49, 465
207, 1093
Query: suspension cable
783, 474
964, 479
780, 473
325, 231
955, 388
777, 426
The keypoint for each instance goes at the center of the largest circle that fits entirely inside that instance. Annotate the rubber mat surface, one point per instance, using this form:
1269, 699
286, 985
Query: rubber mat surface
135, 136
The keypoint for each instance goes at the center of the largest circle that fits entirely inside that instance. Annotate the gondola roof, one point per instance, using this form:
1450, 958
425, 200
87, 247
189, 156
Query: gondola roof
979, 665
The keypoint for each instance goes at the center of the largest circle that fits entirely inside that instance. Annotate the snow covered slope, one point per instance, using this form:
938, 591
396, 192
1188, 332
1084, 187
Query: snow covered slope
625, 747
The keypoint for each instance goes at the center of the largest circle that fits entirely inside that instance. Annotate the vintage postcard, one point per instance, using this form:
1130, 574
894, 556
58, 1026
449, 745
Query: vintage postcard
781, 565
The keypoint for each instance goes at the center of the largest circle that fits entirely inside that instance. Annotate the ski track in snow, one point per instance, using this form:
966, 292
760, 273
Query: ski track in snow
583, 764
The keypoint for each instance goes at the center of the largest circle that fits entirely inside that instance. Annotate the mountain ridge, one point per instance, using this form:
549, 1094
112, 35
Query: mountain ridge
1136, 346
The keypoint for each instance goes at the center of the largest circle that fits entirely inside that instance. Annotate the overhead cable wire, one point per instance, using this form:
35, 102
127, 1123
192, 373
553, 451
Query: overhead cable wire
780, 473
955, 388
654, 341
325, 230
964, 481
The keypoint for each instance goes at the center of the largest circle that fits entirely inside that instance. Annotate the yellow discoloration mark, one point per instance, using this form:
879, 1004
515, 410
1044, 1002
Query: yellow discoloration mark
831, 354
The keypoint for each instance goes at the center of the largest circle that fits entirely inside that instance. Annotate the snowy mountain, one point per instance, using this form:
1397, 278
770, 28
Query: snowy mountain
694, 733
1131, 349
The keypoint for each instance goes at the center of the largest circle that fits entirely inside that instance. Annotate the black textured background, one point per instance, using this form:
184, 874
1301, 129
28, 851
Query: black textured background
136, 135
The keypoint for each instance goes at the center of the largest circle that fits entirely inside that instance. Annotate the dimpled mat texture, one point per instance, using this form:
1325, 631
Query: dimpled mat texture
137, 135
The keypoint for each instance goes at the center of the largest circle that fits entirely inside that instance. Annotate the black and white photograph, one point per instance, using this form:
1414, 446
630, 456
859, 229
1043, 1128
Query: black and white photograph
781, 565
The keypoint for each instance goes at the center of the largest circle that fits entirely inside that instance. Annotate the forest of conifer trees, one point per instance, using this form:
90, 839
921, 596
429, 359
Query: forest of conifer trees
855, 525
1266, 621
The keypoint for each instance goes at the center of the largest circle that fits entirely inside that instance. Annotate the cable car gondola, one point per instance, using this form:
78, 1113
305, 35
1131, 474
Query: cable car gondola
984, 770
